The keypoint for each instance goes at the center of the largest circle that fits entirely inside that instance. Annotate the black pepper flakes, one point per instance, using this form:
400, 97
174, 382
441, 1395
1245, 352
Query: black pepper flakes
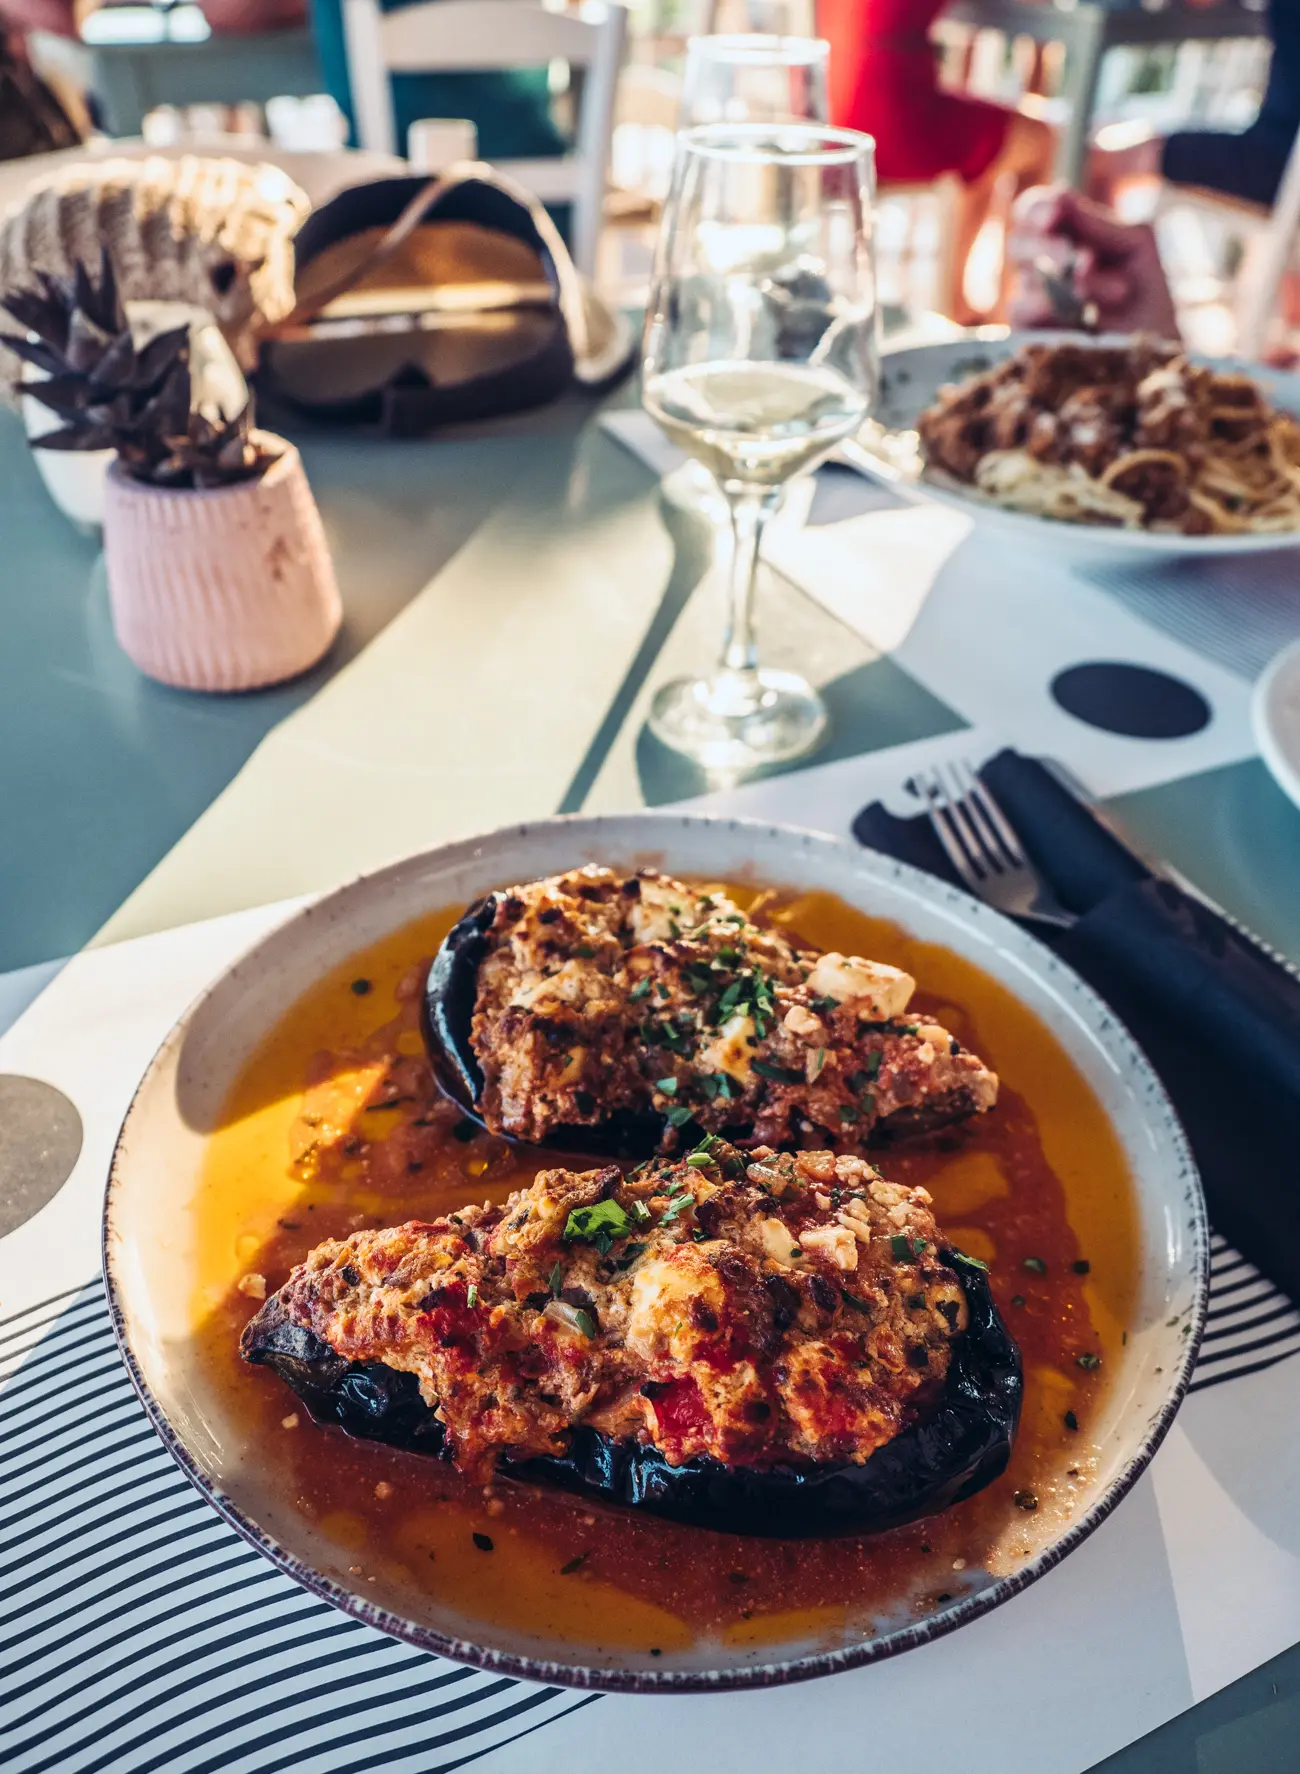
362, 988
1071, 1421
1082, 1266
484, 1542
1025, 1500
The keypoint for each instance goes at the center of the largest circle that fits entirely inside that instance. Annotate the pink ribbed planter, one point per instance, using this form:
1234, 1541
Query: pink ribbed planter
221, 590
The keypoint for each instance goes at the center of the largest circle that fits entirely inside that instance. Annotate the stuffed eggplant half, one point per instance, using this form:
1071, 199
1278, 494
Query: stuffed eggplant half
760, 1342
599, 1012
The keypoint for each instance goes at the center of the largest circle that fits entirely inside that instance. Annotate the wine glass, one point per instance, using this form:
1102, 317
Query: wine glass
755, 79
761, 354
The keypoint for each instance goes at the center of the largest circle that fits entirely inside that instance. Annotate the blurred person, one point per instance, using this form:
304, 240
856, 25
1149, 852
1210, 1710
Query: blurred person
1111, 266
1246, 164
35, 116
884, 80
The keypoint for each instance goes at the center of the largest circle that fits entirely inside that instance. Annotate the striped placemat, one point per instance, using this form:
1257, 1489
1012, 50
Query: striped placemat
138, 1632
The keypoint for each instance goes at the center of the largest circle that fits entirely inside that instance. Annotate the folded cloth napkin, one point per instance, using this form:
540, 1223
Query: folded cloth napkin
1218, 1016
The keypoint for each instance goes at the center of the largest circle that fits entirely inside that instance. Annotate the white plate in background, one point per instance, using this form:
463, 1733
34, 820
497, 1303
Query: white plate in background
911, 380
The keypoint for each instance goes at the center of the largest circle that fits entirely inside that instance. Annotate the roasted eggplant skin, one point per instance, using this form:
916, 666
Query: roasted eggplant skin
957, 1449
448, 1011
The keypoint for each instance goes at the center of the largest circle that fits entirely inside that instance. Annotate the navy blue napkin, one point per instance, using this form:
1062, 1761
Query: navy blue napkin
1218, 1017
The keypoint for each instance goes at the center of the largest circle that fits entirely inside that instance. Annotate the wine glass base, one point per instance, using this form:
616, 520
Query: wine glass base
740, 721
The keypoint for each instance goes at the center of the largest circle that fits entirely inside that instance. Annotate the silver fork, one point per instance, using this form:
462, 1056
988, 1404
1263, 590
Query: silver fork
982, 845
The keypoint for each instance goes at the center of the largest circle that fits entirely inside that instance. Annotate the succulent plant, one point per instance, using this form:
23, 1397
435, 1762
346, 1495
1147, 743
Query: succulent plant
110, 394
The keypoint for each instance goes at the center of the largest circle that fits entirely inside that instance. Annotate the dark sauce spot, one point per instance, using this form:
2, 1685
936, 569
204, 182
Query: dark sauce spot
362, 987
483, 1542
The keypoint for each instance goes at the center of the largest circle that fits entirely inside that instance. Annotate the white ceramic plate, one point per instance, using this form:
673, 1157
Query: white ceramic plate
149, 1229
1275, 712
911, 380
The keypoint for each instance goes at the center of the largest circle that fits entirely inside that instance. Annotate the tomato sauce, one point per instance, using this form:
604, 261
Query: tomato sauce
1038, 1189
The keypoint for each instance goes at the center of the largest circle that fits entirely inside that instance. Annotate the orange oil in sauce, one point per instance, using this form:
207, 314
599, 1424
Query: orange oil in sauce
1041, 1179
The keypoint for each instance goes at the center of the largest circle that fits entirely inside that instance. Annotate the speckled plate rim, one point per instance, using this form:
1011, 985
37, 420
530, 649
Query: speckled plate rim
1104, 1025
998, 342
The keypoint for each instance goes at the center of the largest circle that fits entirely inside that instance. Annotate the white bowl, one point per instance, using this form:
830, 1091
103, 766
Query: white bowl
149, 1232
1275, 715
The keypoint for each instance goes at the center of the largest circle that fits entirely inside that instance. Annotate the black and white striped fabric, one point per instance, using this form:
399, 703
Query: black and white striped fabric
1250, 1324
138, 1633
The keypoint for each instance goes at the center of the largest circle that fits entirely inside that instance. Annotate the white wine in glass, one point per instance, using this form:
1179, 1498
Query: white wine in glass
761, 354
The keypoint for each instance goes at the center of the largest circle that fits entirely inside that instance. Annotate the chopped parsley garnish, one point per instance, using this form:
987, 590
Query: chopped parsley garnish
361, 987
631, 1252
818, 1061
905, 1248
585, 951
471, 1296
730, 998
849, 1113
973, 1261
823, 1006
585, 1323
779, 1074
667, 1085
600, 1224
699, 1160
679, 1115
1087, 1360
557, 1280
640, 1212
853, 1300
640, 990
1035, 1265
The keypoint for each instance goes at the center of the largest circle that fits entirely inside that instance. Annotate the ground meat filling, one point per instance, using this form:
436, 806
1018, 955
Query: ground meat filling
601, 993
758, 1308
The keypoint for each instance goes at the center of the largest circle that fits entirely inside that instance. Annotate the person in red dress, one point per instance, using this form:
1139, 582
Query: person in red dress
884, 80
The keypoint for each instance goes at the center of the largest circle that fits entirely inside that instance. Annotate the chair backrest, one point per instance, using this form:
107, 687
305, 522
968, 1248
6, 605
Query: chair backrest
449, 35
1263, 272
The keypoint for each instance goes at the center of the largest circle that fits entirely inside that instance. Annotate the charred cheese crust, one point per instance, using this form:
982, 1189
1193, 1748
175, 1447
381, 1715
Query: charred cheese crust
758, 1308
601, 993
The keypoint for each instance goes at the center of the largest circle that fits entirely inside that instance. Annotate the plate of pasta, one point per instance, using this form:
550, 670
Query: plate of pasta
1132, 442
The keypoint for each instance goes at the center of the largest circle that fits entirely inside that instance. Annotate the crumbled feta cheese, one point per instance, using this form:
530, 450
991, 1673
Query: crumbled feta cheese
877, 992
835, 1242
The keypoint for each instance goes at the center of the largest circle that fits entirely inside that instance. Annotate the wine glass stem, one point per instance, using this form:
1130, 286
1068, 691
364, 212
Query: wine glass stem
749, 514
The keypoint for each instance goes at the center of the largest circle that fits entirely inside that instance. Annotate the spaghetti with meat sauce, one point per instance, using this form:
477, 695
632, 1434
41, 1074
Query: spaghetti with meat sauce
1130, 437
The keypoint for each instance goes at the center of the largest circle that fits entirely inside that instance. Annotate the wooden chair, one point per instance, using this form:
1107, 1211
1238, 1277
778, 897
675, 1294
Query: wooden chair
448, 35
